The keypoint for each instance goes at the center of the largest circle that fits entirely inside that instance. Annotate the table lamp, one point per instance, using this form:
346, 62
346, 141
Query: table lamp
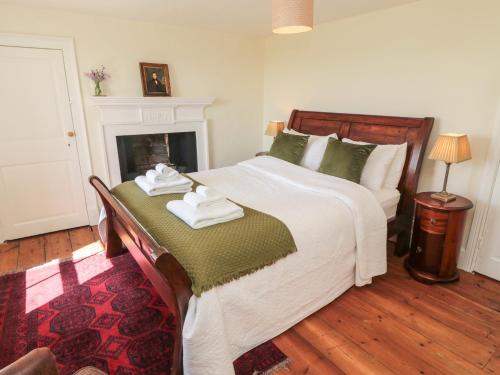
274, 128
450, 148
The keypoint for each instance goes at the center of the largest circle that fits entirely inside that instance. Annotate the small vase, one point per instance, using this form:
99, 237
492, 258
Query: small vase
98, 90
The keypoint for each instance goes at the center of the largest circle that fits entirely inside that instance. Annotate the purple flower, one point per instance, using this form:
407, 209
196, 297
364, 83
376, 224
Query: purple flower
98, 75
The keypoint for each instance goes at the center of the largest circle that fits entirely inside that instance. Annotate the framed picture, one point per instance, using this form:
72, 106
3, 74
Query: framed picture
155, 79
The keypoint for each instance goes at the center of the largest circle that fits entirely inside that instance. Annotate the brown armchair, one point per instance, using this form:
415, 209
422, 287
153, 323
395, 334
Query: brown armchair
41, 361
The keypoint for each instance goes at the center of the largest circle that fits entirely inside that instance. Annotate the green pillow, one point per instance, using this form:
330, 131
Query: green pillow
289, 147
345, 160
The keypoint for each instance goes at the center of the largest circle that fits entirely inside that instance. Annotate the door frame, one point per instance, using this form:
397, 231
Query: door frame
490, 171
67, 46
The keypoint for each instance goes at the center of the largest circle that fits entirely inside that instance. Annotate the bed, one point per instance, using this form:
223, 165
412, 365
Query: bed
215, 328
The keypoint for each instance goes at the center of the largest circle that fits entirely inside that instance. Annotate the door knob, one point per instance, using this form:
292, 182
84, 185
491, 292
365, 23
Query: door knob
71, 134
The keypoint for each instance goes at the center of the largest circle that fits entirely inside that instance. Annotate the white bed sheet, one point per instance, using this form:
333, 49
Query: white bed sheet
388, 199
340, 232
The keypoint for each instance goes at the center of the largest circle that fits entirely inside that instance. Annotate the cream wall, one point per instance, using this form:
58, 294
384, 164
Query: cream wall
438, 58
202, 63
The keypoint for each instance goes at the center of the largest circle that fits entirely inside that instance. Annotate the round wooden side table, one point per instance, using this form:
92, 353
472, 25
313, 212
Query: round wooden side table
437, 235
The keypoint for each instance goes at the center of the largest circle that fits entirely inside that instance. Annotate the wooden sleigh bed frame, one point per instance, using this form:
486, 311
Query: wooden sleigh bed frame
171, 280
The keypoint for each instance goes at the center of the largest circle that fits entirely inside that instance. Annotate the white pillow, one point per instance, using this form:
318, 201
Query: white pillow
396, 169
377, 166
316, 146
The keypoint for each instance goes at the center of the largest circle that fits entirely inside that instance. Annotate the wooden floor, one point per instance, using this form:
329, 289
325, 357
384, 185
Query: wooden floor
34, 251
394, 326
399, 326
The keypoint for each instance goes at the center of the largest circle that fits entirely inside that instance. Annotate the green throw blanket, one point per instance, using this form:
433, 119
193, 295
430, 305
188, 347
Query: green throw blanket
213, 255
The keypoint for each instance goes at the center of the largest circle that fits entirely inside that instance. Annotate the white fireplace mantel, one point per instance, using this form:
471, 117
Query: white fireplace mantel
150, 101
150, 115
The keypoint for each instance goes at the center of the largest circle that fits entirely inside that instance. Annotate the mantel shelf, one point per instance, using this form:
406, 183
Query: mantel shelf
150, 101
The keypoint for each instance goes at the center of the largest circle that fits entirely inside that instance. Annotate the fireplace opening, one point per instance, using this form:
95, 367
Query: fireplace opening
138, 153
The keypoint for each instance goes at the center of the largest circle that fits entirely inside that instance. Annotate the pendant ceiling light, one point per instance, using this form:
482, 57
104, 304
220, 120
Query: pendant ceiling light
292, 16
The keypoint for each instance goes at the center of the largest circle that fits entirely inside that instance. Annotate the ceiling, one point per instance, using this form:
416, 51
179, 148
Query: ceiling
240, 16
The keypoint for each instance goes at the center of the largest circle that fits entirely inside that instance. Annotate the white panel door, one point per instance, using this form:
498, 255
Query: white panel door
40, 182
488, 260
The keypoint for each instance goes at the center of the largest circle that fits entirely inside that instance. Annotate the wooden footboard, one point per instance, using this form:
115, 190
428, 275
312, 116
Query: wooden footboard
164, 271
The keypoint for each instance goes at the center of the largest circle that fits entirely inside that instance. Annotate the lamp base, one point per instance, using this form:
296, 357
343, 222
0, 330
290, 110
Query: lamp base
443, 196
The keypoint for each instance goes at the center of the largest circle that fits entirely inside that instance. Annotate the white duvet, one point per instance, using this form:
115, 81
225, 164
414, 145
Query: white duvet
340, 232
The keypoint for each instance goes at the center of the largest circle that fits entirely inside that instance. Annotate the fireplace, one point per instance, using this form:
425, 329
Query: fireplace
139, 132
140, 152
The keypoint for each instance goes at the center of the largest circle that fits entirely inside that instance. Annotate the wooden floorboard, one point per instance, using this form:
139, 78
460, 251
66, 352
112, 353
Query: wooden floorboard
95, 232
394, 326
340, 350
455, 301
363, 332
447, 315
4, 247
29, 252
8, 258
306, 359
397, 325
81, 237
493, 366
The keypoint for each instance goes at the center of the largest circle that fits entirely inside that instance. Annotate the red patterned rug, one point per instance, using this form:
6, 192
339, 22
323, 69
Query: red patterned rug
100, 312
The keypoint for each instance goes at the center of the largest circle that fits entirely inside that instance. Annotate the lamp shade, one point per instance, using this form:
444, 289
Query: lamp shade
292, 16
451, 148
275, 127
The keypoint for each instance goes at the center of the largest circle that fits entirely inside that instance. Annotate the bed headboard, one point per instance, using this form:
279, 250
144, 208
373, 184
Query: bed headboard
381, 130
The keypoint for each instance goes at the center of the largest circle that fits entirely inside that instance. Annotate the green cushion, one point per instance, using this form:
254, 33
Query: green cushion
345, 160
289, 147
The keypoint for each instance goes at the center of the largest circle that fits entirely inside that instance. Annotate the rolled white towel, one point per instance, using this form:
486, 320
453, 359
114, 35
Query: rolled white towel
204, 217
165, 170
197, 200
206, 191
181, 185
155, 177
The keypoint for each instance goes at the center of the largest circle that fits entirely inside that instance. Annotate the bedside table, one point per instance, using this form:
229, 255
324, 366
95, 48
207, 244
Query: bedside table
437, 235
